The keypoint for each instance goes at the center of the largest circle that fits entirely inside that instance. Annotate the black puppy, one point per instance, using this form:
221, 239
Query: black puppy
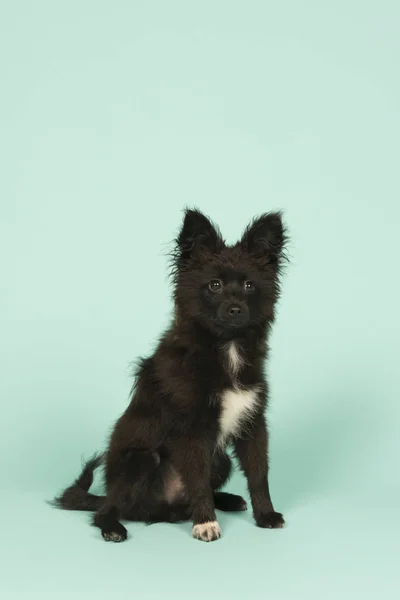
203, 389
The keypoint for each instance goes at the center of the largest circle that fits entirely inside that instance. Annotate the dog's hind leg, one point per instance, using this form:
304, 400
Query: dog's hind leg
129, 478
229, 502
107, 520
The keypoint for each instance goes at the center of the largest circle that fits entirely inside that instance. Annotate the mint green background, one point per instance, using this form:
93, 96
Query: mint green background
114, 115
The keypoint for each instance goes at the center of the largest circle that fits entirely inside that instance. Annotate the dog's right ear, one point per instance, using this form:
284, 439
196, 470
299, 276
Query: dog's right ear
197, 232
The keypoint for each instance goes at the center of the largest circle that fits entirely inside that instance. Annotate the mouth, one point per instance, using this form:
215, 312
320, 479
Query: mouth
229, 324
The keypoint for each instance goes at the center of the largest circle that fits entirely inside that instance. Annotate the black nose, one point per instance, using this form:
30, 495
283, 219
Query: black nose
235, 311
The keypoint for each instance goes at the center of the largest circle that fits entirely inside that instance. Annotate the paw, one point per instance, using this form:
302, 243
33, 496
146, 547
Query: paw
118, 534
239, 505
272, 520
229, 502
207, 532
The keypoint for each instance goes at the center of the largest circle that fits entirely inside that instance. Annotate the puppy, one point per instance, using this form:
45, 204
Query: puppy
201, 392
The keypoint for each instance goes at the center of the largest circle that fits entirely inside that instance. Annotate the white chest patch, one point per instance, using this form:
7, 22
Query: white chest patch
237, 406
235, 361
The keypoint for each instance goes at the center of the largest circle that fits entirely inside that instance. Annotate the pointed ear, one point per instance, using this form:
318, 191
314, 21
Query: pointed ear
265, 237
197, 232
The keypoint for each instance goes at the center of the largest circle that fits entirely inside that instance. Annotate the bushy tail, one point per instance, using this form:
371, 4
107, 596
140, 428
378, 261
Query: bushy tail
77, 496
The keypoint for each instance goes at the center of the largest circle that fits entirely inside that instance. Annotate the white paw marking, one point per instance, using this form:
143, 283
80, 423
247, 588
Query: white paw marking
207, 532
113, 536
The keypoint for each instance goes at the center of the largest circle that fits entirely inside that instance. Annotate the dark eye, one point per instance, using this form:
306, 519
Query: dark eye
215, 285
249, 286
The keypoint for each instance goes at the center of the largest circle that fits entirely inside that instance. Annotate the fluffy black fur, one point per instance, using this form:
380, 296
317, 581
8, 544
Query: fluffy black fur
202, 390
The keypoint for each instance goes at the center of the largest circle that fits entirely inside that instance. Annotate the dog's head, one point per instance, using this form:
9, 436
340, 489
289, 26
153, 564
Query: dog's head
228, 289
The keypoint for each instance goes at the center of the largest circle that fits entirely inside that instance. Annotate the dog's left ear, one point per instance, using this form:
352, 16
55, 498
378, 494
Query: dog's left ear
265, 237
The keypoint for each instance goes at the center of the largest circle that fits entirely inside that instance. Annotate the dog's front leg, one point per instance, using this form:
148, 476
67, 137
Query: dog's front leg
192, 458
252, 452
